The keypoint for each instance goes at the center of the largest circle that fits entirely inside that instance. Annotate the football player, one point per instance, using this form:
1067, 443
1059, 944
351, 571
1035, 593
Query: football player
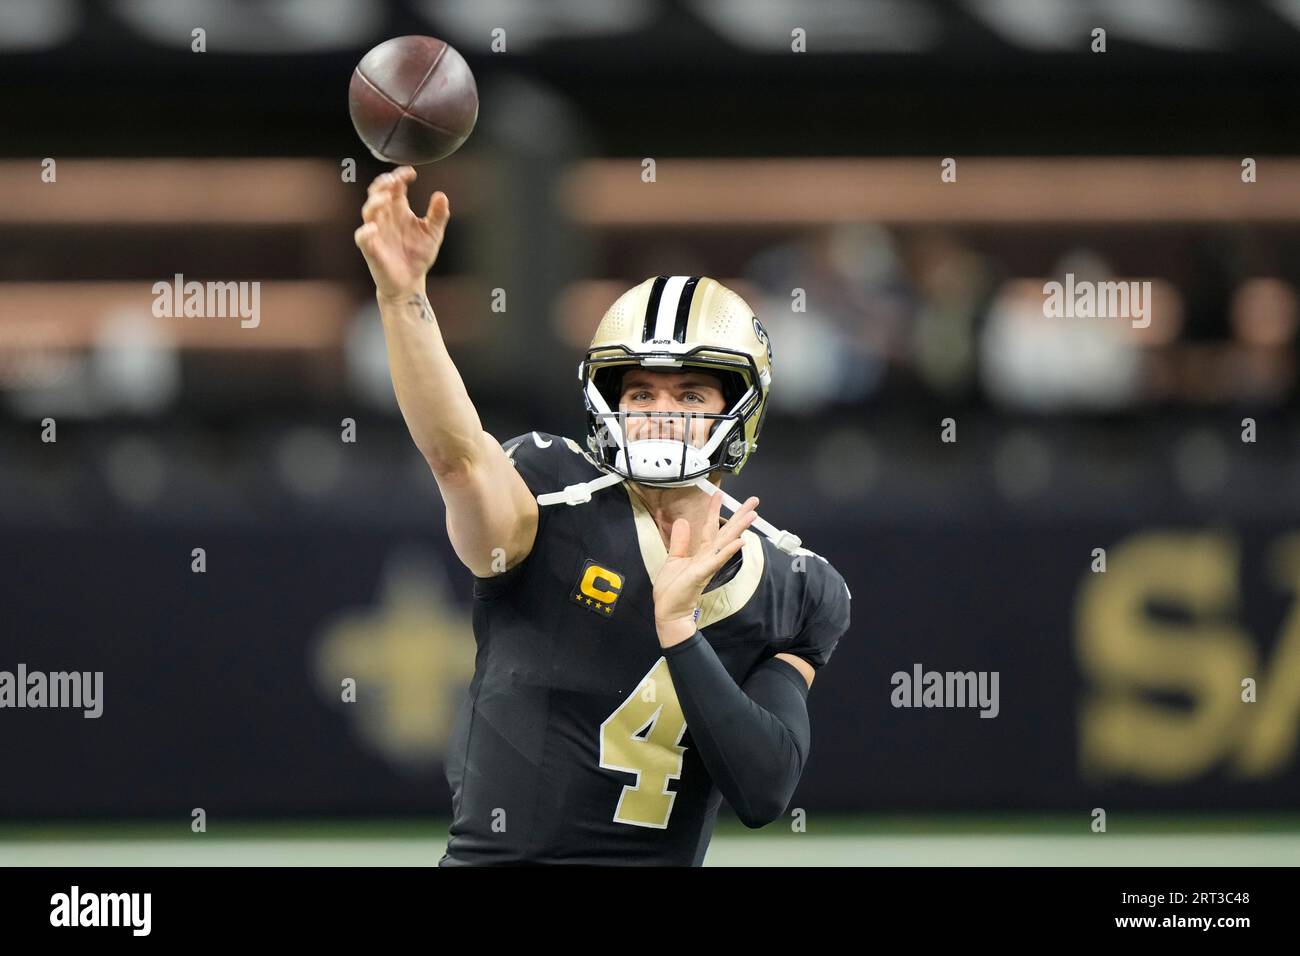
639, 658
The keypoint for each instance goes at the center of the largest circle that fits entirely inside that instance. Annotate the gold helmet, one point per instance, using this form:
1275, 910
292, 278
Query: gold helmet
675, 322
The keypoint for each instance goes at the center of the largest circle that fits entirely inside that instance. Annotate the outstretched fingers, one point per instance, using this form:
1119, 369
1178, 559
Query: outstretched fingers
439, 210
364, 235
378, 208
723, 545
679, 541
710, 561
711, 522
738, 522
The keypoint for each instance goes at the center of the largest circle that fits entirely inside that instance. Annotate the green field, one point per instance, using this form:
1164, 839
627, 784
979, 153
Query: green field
1260, 840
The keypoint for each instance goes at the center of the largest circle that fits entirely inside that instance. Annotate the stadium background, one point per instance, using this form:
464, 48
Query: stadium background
774, 171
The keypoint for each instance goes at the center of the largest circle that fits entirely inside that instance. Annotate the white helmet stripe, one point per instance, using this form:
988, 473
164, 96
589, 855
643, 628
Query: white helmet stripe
668, 302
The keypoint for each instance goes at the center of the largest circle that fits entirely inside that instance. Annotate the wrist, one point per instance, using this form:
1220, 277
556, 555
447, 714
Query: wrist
404, 295
675, 630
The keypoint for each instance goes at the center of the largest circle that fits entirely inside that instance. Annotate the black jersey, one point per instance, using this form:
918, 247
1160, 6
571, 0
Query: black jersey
570, 746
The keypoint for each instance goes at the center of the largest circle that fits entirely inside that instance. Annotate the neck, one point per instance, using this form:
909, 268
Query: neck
666, 505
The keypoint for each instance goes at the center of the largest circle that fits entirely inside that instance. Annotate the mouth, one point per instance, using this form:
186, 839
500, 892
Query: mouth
667, 427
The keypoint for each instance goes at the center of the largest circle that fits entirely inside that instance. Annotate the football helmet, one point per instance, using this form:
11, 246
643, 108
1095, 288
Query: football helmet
676, 323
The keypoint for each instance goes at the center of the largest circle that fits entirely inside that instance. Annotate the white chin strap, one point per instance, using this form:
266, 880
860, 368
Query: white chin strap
581, 493
661, 458
785, 540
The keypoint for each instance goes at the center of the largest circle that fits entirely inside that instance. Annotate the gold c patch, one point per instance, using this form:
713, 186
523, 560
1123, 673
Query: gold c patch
598, 588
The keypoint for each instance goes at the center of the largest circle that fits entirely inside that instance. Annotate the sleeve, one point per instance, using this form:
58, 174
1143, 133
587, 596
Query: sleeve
536, 457
826, 615
754, 740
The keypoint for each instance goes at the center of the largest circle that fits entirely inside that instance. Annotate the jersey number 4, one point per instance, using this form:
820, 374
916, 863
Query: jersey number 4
643, 737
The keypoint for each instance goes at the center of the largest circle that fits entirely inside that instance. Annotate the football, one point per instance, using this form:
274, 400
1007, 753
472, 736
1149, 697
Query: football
413, 100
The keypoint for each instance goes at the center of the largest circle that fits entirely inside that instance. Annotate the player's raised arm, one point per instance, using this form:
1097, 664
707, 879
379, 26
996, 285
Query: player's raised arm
488, 505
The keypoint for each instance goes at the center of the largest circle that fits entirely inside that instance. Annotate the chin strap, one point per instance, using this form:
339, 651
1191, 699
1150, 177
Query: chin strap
581, 493
785, 540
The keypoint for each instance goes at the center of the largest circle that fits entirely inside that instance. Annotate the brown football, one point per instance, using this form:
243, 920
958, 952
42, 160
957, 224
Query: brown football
413, 100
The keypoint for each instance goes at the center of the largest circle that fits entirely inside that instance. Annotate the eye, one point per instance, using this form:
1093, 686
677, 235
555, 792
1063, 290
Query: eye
637, 395
695, 395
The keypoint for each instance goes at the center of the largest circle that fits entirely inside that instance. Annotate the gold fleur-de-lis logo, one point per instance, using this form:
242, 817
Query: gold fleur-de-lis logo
411, 654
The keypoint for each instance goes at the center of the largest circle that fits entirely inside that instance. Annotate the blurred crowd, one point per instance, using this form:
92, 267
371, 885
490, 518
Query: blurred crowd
862, 313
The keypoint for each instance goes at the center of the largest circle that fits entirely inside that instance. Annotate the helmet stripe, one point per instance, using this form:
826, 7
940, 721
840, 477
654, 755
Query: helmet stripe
667, 314
684, 309
652, 308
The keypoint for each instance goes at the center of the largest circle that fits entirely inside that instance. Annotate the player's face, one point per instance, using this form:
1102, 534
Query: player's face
656, 391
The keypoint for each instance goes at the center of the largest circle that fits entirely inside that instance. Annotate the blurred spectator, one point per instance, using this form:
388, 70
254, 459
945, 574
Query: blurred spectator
858, 309
1034, 362
955, 282
1263, 319
1252, 364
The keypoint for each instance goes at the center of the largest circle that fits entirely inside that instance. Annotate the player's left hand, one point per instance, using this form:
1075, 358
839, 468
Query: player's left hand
681, 581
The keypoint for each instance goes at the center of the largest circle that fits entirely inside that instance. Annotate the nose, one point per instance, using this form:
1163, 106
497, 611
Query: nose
661, 425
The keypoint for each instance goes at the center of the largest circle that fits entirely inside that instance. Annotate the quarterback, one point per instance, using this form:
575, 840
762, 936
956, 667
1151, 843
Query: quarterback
639, 658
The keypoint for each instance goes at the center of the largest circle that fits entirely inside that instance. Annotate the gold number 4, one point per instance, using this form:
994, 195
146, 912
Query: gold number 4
642, 737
